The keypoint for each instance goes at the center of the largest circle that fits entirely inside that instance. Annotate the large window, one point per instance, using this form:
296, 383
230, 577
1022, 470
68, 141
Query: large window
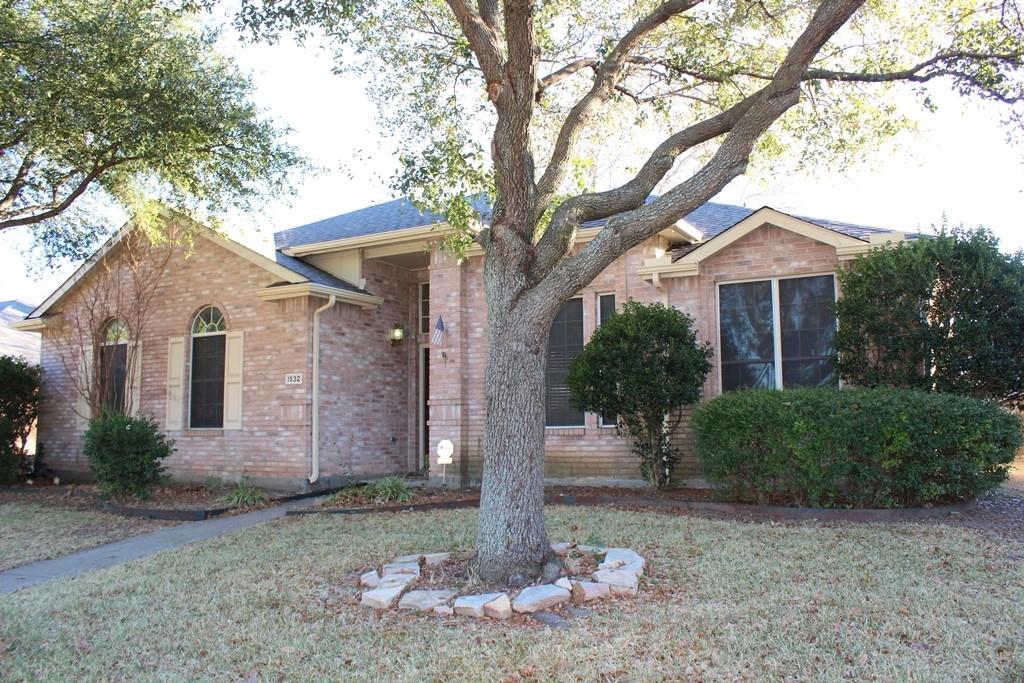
114, 366
777, 333
565, 341
207, 385
424, 308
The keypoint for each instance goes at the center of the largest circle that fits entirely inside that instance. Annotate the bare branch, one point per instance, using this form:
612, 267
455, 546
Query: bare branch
605, 79
484, 42
629, 228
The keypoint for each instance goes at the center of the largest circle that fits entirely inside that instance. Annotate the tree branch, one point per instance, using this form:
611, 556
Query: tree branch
627, 229
483, 40
605, 79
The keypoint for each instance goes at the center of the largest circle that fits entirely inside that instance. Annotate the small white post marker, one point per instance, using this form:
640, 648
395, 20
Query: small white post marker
445, 449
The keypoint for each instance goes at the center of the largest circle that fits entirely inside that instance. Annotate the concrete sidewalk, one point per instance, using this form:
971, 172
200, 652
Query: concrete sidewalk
136, 547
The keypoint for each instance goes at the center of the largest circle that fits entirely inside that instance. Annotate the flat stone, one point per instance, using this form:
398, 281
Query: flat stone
397, 579
473, 605
500, 608
434, 559
401, 568
585, 591
590, 548
443, 611
550, 619
536, 598
616, 558
561, 549
619, 582
578, 612
404, 559
564, 583
370, 579
424, 600
381, 598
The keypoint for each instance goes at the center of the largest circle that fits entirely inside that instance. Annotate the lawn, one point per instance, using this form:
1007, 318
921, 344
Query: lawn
31, 531
723, 601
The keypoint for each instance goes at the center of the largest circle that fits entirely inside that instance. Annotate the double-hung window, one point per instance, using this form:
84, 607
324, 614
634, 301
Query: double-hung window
424, 313
777, 333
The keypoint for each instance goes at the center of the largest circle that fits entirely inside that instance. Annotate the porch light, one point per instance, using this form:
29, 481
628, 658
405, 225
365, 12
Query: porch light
397, 335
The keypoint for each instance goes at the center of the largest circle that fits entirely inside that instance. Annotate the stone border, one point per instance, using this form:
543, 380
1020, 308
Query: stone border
863, 515
617, 574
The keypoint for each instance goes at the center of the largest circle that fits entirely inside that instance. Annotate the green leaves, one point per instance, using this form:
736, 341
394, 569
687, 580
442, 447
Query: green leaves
641, 365
129, 101
941, 314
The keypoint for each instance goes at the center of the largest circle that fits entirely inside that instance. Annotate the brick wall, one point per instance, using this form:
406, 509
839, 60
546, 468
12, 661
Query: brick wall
273, 445
593, 451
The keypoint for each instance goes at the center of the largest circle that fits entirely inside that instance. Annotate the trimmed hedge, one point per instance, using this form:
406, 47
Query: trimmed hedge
876, 448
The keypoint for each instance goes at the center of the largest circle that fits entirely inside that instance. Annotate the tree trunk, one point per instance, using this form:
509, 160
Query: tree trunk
512, 543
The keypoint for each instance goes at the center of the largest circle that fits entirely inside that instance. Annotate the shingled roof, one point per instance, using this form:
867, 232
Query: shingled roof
399, 214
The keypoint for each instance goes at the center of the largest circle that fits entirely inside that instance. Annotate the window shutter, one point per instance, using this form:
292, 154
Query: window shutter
83, 387
135, 406
233, 353
175, 382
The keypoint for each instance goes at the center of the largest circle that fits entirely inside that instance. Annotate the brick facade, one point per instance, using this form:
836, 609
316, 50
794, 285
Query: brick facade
370, 390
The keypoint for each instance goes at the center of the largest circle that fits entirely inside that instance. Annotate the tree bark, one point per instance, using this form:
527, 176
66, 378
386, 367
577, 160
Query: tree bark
512, 543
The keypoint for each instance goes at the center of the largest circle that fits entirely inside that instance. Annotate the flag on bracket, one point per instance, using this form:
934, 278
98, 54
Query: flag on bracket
440, 332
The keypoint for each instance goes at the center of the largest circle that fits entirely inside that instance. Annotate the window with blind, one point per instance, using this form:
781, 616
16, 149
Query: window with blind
777, 333
424, 308
564, 342
206, 389
114, 366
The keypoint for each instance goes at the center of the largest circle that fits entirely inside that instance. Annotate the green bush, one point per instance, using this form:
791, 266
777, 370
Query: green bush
125, 452
388, 490
19, 407
641, 365
854, 447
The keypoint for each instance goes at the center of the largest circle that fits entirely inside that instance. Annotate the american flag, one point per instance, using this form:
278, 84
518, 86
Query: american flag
440, 332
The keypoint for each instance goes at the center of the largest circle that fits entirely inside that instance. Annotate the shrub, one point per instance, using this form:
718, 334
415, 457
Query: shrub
124, 453
19, 407
387, 490
854, 447
641, 365
949, 318
244, 495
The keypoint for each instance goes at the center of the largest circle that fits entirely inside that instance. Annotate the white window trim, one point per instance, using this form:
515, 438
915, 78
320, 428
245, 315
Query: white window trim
419, 308
776, 318
584, 424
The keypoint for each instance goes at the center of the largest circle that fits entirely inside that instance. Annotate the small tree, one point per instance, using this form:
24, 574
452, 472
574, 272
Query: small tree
641, 365
938, 314
19, 407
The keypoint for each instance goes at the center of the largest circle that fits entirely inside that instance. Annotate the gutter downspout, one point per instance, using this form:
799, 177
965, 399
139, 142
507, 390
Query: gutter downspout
314, 475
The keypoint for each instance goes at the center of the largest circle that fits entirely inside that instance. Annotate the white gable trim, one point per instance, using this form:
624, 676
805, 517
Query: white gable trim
687, 266
32, 321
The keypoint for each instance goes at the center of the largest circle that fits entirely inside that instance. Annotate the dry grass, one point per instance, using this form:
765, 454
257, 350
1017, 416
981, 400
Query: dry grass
724, 601
30, 532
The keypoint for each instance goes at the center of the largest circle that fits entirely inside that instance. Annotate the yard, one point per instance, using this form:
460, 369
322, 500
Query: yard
722, 601
42, 530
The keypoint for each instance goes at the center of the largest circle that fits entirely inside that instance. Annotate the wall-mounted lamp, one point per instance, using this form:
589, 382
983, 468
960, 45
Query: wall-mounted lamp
396, 335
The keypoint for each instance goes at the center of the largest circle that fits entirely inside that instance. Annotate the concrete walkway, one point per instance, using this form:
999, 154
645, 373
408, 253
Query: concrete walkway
144, 545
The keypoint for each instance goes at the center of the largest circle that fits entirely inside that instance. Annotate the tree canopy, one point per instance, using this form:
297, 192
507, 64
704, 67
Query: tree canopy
936, 314
124, 100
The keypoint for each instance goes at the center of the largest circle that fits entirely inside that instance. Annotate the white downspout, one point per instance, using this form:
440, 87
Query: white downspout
314, 475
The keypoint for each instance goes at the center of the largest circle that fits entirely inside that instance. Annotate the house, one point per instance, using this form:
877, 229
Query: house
14, 342
319, 364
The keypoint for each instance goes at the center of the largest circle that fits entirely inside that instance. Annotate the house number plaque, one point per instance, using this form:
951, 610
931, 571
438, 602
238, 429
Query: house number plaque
293, 378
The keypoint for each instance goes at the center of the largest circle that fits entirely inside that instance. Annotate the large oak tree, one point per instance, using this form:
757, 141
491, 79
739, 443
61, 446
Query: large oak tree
122, 100
517, 97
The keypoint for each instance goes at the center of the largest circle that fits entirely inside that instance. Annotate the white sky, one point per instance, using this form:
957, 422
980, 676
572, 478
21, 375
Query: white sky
958, 164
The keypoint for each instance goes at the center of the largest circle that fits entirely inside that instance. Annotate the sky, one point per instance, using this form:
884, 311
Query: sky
958, 165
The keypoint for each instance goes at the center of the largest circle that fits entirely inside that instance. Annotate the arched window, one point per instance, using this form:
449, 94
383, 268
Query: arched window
113, 375
207, 384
